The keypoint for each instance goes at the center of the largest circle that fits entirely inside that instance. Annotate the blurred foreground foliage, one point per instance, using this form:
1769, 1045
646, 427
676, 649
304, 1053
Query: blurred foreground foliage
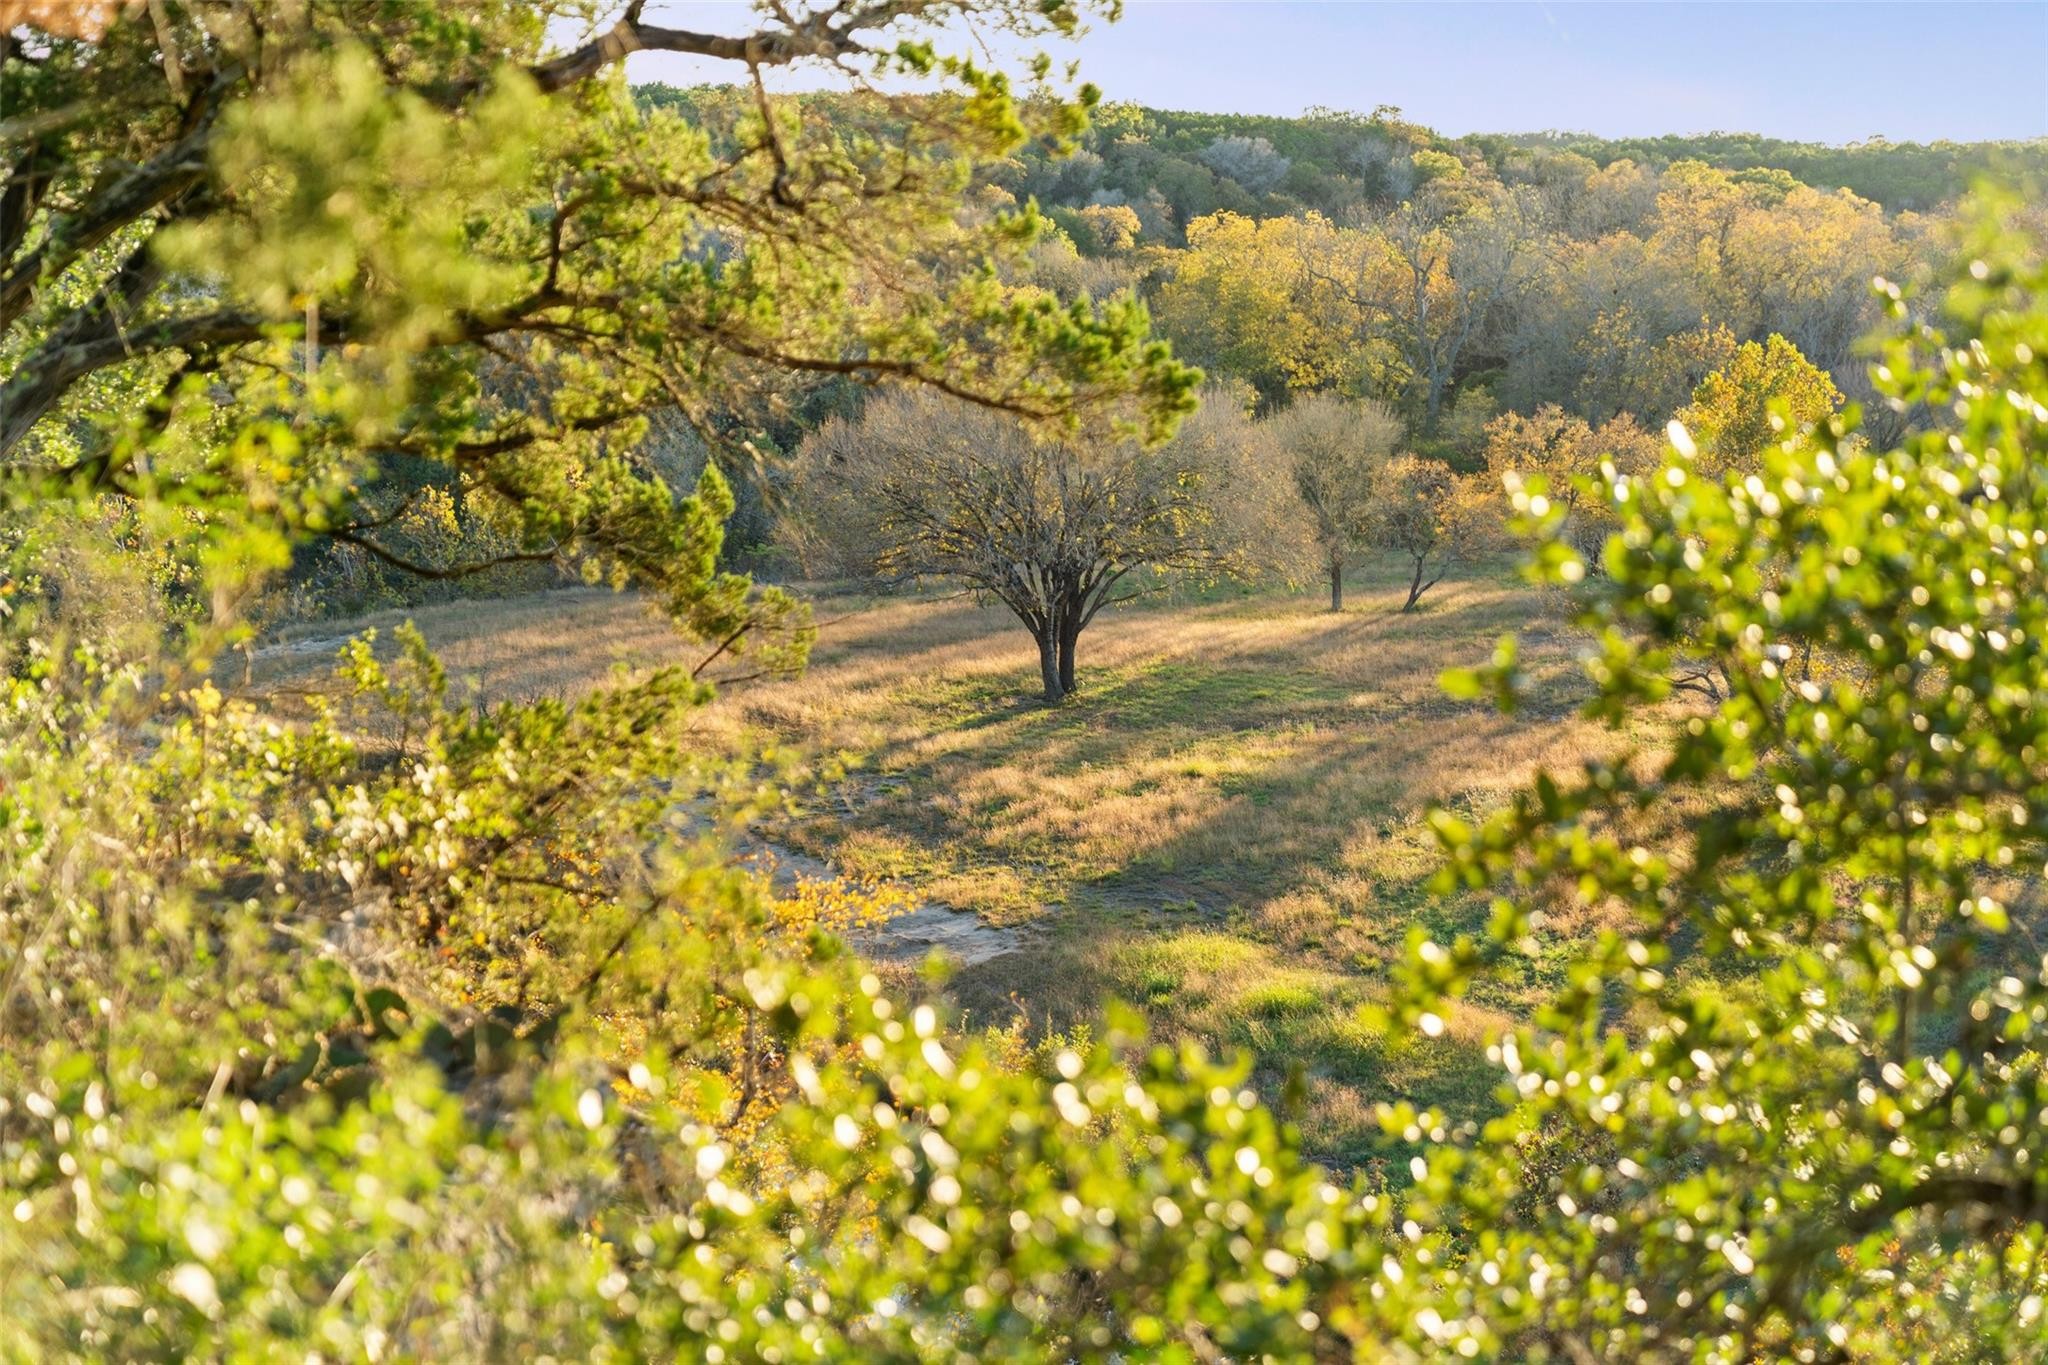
1795, 1108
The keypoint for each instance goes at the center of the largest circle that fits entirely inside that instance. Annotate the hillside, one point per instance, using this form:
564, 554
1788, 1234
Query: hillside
1336, 158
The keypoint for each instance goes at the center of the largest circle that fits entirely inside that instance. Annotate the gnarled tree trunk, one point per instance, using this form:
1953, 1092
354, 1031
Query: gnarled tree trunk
1049, 670
1070, 635
1416, 587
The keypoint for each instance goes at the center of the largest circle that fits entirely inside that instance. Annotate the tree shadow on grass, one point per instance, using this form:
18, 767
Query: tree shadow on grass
1213, 784
1200, 795
1312, 1045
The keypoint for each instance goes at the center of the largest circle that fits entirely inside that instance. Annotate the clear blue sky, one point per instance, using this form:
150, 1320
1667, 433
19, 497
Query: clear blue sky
1827, 72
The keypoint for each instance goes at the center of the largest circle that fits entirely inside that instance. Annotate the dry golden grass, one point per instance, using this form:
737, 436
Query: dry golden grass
555, 644
1224, 827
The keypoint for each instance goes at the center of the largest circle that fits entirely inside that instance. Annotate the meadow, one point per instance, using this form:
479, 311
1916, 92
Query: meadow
1225, 827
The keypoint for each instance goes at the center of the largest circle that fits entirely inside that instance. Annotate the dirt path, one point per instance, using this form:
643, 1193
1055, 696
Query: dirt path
906, 939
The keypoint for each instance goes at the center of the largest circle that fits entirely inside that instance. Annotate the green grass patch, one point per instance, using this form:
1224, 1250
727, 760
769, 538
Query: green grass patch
1280, 1001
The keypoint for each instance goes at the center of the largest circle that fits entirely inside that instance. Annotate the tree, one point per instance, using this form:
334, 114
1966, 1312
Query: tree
1619, 197
1575, 460
1422, 511
1461, 434
1054, 530
1426, 277
1335, 448
1698, 207
1805, 263
1250, 161
1056, 265
422, 234
1112, 228
1234, 304
1766, 393
1837, 1158
1612, 326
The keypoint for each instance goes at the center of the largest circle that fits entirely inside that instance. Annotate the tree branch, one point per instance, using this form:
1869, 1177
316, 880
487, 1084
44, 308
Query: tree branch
812, 38
176, 170
349, 536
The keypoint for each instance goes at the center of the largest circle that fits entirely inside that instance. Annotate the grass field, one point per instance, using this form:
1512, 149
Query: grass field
1225, 827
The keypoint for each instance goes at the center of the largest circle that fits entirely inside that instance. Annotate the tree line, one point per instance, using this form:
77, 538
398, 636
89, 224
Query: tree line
925, 487
1603, 289
1397, 319
1448, 283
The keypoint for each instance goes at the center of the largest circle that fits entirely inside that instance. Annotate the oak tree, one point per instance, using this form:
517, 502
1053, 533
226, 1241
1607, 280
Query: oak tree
924, 487
1335, 448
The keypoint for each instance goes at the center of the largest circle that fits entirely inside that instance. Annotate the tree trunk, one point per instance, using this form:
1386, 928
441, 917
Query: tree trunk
1336, 583
1049, 664
1415, 587
1070, 635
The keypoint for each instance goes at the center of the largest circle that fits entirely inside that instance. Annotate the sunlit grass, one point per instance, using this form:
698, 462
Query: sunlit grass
1225, 827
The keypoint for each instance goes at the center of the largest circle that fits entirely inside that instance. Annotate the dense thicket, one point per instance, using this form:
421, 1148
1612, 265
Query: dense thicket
1456, 278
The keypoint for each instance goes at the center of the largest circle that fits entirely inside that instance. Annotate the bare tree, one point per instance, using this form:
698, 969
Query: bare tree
927, 487
1429, 516
1334, 448
1250, 161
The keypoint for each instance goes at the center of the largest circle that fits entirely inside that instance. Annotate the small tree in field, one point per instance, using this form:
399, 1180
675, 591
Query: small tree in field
1569, 454
1334, 448
1425, 513
1767, 392
927, 487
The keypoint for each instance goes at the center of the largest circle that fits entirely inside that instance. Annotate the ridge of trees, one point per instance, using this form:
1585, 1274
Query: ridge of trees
1325, 158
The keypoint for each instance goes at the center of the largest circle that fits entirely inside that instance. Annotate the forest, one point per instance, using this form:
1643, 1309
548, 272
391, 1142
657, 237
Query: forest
947, 719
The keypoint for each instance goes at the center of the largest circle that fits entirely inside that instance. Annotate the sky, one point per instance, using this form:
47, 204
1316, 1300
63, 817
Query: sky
1840, 72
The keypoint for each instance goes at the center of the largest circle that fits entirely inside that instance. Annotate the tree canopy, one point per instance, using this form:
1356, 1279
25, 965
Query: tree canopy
1763, 392
1336, 449
270, 252
924, 487
1571, 456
